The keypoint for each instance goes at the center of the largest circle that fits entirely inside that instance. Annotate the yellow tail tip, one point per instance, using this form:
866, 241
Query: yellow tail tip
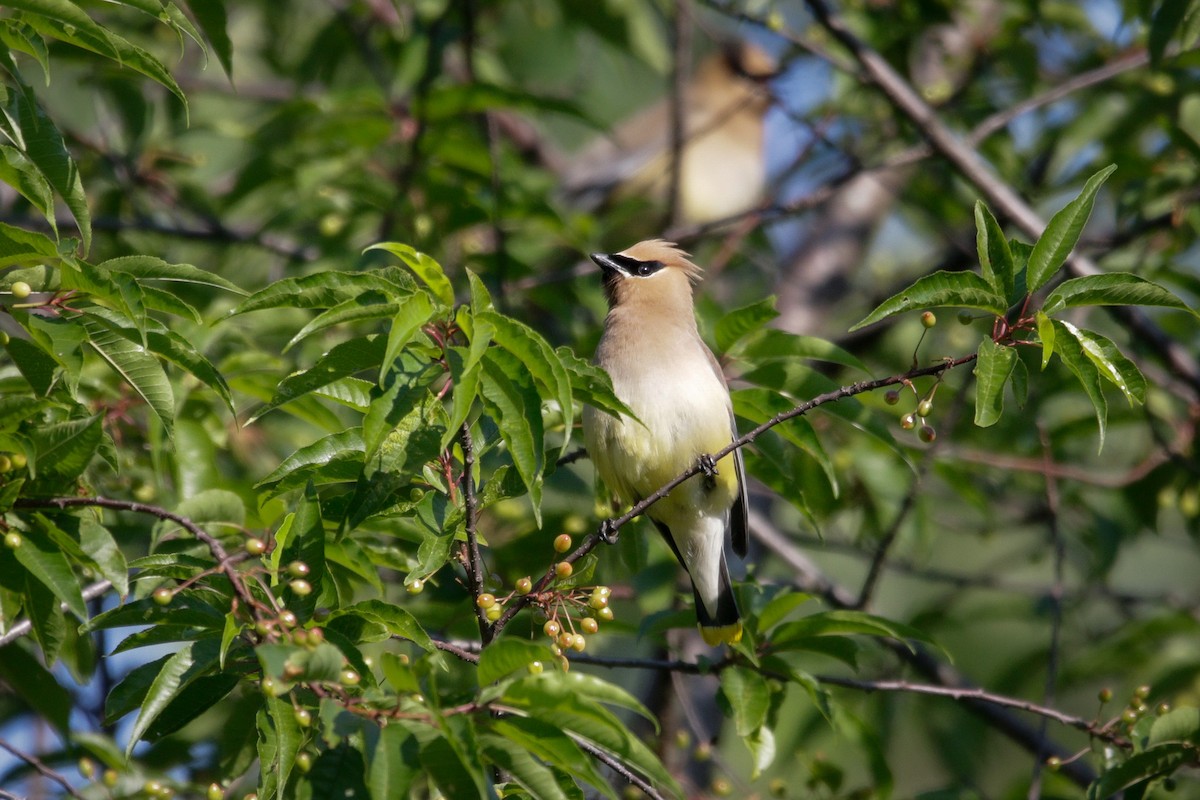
723, 634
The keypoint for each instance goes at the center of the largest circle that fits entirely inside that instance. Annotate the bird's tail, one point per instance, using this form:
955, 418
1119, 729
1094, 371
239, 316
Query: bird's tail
724, 625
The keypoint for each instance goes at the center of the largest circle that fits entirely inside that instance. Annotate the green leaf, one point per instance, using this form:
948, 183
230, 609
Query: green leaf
394, 764
279, 740
522, 767
180, 352
1045, 328
591, 385
427, 269
211, 16
551, 744
23, 175
505, 656
368, 305
771, 343
46, 616
992, 370
1111, 363
1110, 289
36, 366
1177, 725
325, 290
734, 326
26, 678
749, 697
539, 359
342, 361
130, 360
512, 402
995, 257
189, 662
843, 623
398, 621
1167, 21
18, 246
412, 314
465, 371
452, 760
1074, 358
1153, 763
758, 405
955, 289
1055, 244
66, 448
149, 268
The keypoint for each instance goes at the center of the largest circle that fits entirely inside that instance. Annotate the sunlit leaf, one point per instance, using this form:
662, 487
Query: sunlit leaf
954, 289
993, 367
1055, 244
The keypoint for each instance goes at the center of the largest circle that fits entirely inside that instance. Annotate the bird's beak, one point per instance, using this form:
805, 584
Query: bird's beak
607, 263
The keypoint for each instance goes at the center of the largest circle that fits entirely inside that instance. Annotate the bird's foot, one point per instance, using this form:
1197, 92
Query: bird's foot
609, 532
708, 467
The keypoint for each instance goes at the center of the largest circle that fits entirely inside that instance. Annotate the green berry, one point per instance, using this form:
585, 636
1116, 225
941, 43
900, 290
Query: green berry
927, 433
494, 613
928, 319
110, 778
589, 625
563, 569
605, 614
87, 768
6, 464
552, 628
19, 461
350, 678
301, 587
535, 667
415, 586
1053, 763
298, 569
908, 422
1105, 695
316, 635
215, 792
287, 618
304, 761
21, 290
303, 717
256, 547
525, 585
485, 601
578, 643
163, 596
13, 540
1142, 692
562, 543
924, 408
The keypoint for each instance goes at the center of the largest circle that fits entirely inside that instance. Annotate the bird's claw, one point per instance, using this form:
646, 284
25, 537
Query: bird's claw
708, 466
608, 532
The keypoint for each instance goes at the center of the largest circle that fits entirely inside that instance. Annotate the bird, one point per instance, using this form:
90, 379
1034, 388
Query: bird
722, 167
665, 374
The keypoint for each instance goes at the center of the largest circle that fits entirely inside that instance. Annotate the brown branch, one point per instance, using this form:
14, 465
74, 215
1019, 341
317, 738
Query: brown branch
41, 768
224, 561
474, 560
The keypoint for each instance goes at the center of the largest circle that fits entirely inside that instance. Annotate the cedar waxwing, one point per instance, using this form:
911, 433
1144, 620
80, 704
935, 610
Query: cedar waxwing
722, 168
662, 370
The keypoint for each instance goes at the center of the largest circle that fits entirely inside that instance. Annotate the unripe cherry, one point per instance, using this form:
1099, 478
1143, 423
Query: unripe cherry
87, 768
13, 540
908, 422
927, 433
304, 761
562, 543
925, 408
928, 319
256, 547
485, 600
589, 625
215, 792
578, 643
163, 596
415, 586
563, 569
21, 290
605, 614
535, 667
494, 613
298, 569
303, 717
551, 628
525, 585
349, 677
565, 639
110, 778
891, 397
287, 618
301, 587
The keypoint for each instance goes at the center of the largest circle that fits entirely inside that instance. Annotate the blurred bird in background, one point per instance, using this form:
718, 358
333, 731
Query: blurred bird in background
722, 166
662, 370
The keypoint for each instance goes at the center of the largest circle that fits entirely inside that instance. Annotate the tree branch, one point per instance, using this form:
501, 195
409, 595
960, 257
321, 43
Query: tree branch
41, 768
474, 560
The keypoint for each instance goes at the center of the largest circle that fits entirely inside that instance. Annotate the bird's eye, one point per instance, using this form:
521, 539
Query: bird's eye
647, 268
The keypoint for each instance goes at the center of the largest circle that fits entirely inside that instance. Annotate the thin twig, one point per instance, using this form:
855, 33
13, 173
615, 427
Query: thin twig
681, 46
474, 562
41, 768
224, 562
616, 766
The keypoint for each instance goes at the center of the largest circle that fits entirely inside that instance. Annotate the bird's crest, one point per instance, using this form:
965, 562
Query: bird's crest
668, 253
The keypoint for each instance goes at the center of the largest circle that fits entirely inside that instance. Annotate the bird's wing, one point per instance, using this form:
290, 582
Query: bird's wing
739, 515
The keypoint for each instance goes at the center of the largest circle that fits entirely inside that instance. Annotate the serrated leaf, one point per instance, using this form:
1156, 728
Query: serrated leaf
522, 768
212, 18
150, 268
552, 745
1055, 244
333, 458
507, 655
1045, 328
342, 361
1073, 357
134, 364
1111, 363
844, 623
772, 343
1155, 762
995, 257
36, 366
279, 740
427, 269
189, 662
394, 765
180, 352
993, 367
749, 698
398, 621
465, 370
734, 326
592, 385
516, 408
759, 405
19, 246
66, 448
1177, 725
368, 305
411, 315
539, 360
1110, 289
323, 290
941, 289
